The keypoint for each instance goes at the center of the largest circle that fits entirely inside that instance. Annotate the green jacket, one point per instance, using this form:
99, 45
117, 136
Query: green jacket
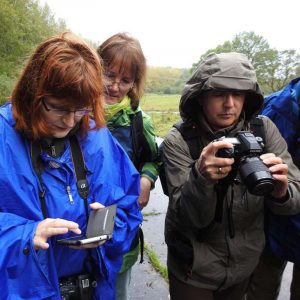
120, 126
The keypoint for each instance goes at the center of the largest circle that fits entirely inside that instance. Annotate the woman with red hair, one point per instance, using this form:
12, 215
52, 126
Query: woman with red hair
42, 199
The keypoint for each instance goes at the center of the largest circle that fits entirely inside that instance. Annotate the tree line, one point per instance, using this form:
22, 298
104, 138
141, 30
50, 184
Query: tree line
274, 69
25, 23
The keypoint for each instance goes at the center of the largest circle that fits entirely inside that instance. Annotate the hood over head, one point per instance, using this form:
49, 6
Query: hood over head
222, 72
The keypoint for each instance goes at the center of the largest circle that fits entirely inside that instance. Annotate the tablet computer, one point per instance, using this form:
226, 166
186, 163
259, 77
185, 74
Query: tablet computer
100, 228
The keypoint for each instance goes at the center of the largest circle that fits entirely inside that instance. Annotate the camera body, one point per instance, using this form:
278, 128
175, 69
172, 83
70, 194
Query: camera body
77, 287
252, 171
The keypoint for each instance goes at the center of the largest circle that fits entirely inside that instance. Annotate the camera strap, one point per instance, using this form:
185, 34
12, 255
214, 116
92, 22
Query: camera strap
81, 183
35, 152
79, 167
221, 189
257, 128
80, 171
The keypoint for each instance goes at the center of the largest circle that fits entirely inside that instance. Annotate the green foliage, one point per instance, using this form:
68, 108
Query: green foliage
23, 24
6, 87
166, 80
274, 69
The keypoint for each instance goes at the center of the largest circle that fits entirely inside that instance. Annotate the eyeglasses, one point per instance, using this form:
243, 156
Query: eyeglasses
78, 113
111, 79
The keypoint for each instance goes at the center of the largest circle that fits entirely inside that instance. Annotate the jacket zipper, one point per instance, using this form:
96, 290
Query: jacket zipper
70, 195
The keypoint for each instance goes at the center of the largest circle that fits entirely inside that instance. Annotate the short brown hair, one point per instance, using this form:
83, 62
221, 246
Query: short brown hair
63, 67
125, 51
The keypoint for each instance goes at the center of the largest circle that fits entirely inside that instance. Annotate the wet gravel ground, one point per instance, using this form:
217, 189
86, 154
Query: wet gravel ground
146, 283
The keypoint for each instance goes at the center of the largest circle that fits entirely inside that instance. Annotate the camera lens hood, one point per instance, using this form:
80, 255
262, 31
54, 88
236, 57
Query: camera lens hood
260, 183
256, 176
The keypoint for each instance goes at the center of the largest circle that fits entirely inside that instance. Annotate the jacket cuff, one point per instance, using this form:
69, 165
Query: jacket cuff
281, 200
151, 178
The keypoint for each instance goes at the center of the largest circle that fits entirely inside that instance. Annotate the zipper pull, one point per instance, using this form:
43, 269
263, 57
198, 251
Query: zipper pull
53, 152
70, 195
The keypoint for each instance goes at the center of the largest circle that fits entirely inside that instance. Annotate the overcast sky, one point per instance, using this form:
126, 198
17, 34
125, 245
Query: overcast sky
177, 32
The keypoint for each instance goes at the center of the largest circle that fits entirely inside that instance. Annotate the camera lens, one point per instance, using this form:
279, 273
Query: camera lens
256, 176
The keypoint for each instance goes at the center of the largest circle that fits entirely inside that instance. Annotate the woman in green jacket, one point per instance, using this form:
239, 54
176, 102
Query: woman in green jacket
124, 78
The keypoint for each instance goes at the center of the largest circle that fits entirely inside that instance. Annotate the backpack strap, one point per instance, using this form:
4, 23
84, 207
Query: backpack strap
139, 240
141, 154
257, 128
141, 149
189, 134
191, 137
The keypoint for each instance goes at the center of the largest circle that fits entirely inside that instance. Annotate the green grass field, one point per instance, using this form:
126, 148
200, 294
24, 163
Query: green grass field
161, 103
163, 110
163, 122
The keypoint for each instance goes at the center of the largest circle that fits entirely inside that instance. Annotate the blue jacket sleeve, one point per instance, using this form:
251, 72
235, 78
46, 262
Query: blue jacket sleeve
18, 260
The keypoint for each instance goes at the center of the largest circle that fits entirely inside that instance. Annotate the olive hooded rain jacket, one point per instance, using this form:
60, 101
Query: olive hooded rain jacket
200, 250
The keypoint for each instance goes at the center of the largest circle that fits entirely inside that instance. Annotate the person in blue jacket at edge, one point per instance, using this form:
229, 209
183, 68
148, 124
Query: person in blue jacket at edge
58, 91
124, 78
282, 233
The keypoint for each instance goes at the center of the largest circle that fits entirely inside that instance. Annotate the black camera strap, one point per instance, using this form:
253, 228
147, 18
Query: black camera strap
81, 183
221, 190
257, 129
35, 152
80, 171
79, 167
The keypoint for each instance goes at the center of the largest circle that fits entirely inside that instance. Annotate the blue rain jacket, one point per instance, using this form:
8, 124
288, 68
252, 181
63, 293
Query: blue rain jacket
282, 107
29, 274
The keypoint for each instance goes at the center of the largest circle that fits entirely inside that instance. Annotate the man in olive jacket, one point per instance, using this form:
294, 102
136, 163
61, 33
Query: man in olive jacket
215, 235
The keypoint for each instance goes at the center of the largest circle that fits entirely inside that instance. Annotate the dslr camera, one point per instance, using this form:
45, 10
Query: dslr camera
252, 171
